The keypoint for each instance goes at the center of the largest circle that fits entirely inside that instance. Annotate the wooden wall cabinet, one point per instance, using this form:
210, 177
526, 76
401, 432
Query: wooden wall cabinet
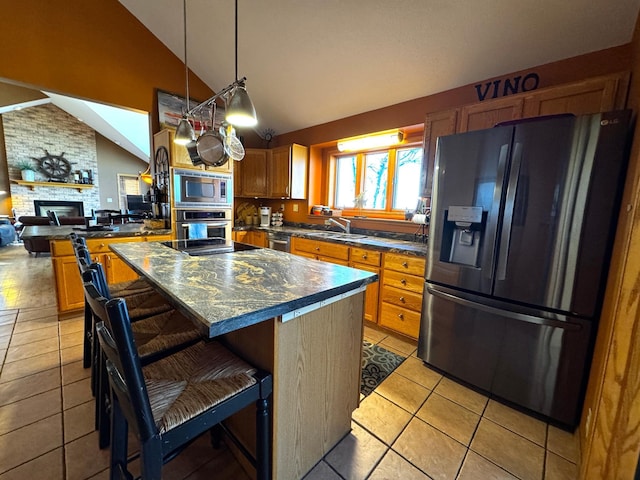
368, 260
401, 293
273, 173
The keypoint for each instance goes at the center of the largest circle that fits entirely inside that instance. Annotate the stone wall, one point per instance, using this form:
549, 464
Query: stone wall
28, 133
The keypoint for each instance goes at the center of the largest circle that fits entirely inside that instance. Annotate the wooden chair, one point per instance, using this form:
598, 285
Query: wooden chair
171, 402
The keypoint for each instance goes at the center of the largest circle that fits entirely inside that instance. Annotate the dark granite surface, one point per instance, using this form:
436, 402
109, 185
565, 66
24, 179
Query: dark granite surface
60, 233
229, 291
355, 240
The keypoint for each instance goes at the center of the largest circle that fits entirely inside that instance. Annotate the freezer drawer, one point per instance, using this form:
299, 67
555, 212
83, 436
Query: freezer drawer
537, 363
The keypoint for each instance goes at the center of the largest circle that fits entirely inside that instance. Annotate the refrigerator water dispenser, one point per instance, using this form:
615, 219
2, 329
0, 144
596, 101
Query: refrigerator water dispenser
462, 232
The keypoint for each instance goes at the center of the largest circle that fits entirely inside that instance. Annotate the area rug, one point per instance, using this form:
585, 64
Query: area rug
377, 364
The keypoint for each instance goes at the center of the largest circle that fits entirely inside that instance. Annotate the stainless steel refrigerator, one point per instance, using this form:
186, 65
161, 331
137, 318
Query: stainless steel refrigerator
522, 224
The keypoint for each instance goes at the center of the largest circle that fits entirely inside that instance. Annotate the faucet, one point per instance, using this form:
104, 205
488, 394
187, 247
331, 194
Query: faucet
346, 227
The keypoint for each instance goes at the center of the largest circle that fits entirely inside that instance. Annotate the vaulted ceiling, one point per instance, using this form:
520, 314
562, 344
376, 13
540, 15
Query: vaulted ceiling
308, 62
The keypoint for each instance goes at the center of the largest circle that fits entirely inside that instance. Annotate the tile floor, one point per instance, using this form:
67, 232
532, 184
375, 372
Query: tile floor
415, 425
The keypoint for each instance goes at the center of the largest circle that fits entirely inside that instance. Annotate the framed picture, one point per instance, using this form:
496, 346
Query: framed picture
171, 107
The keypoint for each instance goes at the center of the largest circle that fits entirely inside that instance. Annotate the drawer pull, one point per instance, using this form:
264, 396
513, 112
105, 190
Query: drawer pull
401, 316
364, 256
402, 300
405, 264
317, 249
403, 281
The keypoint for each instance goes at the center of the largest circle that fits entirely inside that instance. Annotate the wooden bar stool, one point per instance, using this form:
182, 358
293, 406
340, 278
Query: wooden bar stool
172, 401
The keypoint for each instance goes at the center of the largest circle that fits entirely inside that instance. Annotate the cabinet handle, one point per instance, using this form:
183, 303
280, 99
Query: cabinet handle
401, 316
402, 299
405, 264
364, 256
403, 281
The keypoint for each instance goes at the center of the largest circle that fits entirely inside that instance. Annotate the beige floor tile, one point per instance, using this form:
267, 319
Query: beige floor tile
76, 393
394, 466
71, 339
30, 442
403, 392
29, 336
563, 443
28, 350
558, 468
462, 395
433, 452
374, 336
103, 475
71, 354
30, 410
518, 422
414, 369
406, 346
449, 417
6, 329
322, 471
381, 417
83, 458
4, 341
517, 455
71, 326
23, 368
38, 323
28, 314
3, 352
8, 316
356, 454
47, 466
72, 372
476, 467
28, 386
222, 465
194, 457
79, 421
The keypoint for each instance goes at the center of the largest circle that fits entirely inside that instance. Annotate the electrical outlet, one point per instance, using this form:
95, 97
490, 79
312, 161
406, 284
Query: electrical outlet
295, 207
109, 200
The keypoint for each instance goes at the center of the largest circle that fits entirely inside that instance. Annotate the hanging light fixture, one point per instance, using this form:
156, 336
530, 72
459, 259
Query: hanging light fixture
184, 132
239, 109
146, 176
375, 140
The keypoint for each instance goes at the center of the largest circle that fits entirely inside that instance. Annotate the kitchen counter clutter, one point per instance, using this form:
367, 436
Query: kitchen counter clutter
297, 318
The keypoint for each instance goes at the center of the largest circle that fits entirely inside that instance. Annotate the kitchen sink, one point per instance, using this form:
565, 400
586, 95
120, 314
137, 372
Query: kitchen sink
336, 235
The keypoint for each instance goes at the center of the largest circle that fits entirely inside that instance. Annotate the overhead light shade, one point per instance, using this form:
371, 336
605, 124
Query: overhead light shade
366, 142
240, 110
184, 133
146, 176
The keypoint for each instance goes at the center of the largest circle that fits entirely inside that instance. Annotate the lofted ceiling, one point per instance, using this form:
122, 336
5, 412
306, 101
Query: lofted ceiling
309, 62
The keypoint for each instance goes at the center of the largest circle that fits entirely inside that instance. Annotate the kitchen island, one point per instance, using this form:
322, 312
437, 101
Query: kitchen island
297, 318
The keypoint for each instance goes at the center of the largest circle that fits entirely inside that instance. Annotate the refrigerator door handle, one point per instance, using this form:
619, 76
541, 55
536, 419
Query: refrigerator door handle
523, 317
505, 237
497, 194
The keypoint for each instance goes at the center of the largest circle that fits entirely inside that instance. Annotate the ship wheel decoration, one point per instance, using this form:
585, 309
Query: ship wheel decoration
56, 167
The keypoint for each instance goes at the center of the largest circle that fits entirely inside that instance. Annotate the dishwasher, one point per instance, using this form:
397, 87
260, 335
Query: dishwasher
279, 241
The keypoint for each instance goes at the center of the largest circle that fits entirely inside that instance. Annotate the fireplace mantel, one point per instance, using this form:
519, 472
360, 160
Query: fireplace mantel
32, 185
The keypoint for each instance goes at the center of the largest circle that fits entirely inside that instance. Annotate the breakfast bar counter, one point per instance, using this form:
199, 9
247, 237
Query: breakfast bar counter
297, 318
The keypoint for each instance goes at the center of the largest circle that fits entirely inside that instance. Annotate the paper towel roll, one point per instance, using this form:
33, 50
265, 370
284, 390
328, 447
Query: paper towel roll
419, 218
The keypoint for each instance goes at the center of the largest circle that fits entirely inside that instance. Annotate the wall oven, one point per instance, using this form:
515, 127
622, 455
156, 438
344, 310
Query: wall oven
199, 224
193, 188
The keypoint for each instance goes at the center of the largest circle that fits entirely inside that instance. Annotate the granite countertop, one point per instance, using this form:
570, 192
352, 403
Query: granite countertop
228, 291
51, 232
354, 240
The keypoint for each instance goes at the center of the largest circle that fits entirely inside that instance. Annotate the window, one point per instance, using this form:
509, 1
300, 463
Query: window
127, 185
385, 183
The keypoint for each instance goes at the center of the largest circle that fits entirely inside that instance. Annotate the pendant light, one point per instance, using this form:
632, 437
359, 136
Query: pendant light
185, 132
240, 111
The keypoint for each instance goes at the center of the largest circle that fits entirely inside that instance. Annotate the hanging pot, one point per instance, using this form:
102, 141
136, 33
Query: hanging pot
210, 148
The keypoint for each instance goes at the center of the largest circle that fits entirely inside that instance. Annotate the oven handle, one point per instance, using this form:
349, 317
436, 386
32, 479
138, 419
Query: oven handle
212, 224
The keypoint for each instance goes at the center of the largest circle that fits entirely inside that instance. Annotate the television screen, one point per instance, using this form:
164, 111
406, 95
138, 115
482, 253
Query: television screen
136, 204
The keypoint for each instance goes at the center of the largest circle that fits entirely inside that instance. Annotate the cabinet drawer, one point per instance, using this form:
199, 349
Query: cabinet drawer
325, 249
368, 257
61, 248
404, 263
402, 298
101, 245
400, 319
402, 280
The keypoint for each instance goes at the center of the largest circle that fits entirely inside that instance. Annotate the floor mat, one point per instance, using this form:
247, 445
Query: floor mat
377, 364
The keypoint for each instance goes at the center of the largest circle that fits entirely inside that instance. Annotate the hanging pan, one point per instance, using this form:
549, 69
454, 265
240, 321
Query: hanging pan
192, 147
210, 145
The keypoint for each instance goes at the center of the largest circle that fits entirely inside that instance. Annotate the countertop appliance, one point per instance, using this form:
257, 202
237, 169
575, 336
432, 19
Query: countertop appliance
196, 188
522, 224
265, 216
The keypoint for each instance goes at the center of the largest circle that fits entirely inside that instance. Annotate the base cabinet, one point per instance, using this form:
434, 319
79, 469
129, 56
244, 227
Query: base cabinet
401, 293
252, 237
368, 260
325, 251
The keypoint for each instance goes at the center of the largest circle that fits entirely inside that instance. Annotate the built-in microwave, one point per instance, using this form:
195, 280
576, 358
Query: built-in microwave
193, 188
